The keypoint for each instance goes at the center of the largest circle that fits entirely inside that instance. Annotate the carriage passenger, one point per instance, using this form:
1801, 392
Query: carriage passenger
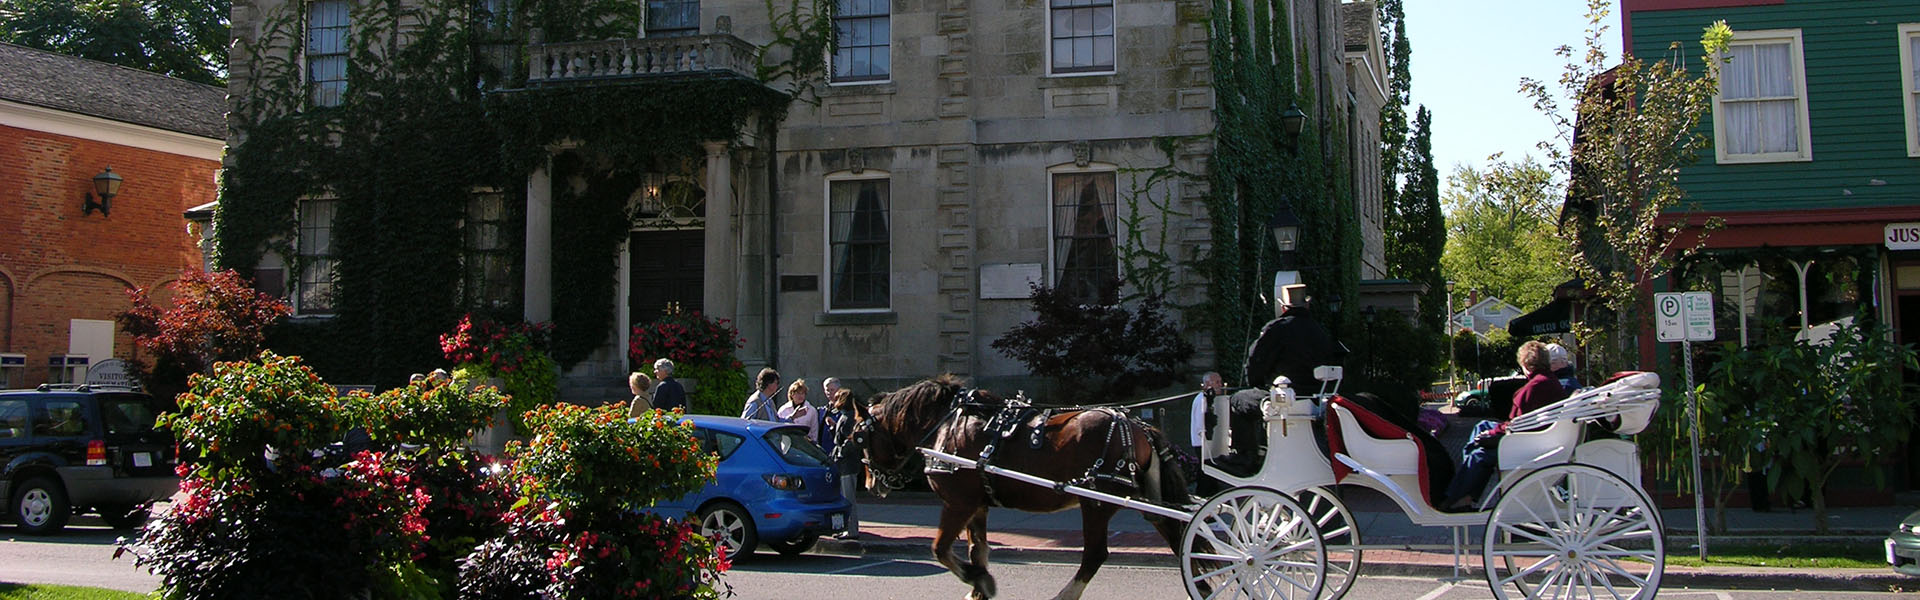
1478, 459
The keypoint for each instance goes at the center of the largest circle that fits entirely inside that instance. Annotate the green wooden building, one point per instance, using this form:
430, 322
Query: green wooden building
1815, 164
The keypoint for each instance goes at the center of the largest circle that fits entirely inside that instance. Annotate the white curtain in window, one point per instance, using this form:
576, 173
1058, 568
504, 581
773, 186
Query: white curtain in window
1760, 100
1913, 79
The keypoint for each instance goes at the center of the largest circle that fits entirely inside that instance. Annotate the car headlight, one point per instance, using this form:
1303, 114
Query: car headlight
1913, 528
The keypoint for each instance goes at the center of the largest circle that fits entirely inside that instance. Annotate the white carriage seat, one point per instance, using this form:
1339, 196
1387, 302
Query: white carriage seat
1532, 449
1388, 456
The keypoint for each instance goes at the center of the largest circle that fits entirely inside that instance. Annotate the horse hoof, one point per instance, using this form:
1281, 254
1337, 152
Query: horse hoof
985, 586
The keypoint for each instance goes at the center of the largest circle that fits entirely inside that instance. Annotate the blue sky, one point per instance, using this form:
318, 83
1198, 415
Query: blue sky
1468, 58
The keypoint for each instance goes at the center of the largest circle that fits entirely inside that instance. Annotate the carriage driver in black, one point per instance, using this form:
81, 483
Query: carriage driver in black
1290, 345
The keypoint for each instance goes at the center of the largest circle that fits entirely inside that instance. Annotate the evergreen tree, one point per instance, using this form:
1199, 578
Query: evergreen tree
1416, 241
1393, 115
179, 38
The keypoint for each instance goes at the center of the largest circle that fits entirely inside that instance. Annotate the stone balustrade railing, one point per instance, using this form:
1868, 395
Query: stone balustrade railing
577, 61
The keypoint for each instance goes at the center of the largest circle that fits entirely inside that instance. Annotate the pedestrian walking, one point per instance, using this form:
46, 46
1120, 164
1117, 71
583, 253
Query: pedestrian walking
760, 404
642, 401
798, 412
843, 415
669, 394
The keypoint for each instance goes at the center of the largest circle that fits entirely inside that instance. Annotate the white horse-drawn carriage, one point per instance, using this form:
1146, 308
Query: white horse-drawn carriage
1566, 519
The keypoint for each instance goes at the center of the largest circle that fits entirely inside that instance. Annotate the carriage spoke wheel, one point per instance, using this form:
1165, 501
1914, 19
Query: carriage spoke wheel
1251, 542
1342, 537
1574, 531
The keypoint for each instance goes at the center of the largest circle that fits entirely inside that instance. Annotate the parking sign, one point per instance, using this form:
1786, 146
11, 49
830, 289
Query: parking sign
1683, 316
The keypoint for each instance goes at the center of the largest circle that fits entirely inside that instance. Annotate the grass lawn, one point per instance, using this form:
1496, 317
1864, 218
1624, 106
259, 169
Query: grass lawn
16, 591
1788, 555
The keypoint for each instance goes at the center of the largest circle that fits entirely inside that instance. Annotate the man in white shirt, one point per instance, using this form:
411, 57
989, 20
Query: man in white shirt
798, 412
1210, 385
760, 405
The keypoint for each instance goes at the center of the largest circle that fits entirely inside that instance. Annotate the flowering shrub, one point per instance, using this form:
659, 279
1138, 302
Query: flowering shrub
229, 420
277, 507
215, 316
687, 338
576, 532
515, 354
701, 349
426, 412
597, 461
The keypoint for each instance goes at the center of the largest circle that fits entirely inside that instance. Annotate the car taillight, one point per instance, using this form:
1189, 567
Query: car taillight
791, 483
97, 453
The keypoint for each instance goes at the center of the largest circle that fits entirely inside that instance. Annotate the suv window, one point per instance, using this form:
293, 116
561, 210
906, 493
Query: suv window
792, 445
61, 418
127, 415
13, 419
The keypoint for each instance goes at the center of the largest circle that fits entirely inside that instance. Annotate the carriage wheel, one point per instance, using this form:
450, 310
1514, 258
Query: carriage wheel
1252, 542
1342, 537
1574, 531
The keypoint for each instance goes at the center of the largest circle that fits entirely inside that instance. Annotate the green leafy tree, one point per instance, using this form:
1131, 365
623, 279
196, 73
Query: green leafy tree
179, 38
1501, 234
1637, 125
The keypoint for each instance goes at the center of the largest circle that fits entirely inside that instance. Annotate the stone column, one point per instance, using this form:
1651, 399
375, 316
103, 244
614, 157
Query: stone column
539, 271
721, 276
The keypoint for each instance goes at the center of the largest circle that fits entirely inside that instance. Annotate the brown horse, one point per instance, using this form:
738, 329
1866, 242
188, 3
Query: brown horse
1097, 448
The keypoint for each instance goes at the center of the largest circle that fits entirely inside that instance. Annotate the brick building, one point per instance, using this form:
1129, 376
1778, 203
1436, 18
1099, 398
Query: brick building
64, 271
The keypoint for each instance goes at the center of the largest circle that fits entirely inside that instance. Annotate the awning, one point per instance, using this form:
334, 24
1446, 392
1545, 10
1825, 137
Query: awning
1555, 317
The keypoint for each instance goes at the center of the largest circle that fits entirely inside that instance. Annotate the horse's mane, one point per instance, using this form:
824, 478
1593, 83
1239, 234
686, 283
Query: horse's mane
919, 405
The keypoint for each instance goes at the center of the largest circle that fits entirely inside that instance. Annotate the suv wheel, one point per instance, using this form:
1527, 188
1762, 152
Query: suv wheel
40, 506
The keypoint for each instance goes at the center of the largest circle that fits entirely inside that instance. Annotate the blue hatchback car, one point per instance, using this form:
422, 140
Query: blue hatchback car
773, 485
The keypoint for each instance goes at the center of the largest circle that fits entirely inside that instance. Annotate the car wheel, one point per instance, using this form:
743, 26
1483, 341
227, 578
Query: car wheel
40, 506
124, 516
796, 546
730, 525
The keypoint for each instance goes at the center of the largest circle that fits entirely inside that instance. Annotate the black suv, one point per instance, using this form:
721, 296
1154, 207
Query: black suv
66, 449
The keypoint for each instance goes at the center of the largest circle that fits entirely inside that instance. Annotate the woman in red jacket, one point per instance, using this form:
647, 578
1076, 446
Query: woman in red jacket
1479, 459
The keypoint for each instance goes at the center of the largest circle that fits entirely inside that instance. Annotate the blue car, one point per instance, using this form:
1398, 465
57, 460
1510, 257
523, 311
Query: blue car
773, 485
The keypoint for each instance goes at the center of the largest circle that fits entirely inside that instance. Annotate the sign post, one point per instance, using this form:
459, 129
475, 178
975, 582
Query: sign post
1687, 317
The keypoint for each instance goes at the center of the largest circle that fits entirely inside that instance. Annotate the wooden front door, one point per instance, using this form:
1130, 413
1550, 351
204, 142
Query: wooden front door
666, 267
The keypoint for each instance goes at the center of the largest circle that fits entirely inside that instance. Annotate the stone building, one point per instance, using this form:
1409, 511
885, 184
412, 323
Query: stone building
887, 227
66, 263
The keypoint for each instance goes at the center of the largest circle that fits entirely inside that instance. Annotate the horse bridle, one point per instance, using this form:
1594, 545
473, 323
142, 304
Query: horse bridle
895, 477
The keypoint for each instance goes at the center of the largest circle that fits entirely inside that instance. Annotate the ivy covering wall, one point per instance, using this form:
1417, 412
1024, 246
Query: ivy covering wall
1256, 168
417, 132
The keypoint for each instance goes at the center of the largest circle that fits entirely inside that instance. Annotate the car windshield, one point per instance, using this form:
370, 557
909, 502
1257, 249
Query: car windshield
792, 445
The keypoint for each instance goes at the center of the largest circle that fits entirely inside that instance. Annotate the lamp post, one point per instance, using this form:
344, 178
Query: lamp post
1285, 227
107, 184
1452, 371
1293, 120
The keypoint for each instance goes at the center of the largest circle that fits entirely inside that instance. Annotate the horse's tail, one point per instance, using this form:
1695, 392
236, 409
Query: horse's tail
1165, 482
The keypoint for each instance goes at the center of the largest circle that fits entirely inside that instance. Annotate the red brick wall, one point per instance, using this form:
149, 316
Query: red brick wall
56, 264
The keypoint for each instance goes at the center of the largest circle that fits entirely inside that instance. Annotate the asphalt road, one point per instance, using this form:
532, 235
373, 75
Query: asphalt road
84, 556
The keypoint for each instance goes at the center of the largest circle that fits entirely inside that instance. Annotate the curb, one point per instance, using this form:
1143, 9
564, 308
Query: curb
1836, 580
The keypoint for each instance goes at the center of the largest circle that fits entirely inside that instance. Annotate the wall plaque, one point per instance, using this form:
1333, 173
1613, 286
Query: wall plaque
1009, 281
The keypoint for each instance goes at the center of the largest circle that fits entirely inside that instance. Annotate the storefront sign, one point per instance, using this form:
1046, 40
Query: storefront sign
1903, 236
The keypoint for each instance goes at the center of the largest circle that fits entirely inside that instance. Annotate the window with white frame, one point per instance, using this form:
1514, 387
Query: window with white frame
1910, 80
488, 261
1760, 114
673, 18
314, 291
328, 23
858, 244
1081, 33
1085, 245
863, 49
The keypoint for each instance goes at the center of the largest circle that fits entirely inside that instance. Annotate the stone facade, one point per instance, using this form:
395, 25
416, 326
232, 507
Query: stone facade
969, 127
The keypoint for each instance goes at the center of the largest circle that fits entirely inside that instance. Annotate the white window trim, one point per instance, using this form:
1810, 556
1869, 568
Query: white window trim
1911, 89
1047, 42
1120, 267
306, 67
831, 51
1798, 50
826, 237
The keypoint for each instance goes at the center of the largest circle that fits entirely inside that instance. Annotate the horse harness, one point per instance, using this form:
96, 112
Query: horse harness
1006, 422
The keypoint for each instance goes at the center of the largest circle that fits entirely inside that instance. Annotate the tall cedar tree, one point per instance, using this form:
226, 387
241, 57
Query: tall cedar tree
1416, 231
178, 38
1393, 115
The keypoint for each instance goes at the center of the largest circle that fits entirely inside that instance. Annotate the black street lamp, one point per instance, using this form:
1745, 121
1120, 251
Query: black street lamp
107, 184
1293, 120
1286, 234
